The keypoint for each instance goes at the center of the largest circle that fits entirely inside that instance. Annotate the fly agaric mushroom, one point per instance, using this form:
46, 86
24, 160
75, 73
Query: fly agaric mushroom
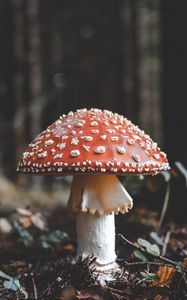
94, 146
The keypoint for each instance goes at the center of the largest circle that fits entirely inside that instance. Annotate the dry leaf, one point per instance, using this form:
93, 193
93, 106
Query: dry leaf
185, 262
68, 247
24, 212
5, 226
25, 222
37, 221
165, 276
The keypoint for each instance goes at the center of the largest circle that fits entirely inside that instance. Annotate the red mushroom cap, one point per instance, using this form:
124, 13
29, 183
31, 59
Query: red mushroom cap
93, 141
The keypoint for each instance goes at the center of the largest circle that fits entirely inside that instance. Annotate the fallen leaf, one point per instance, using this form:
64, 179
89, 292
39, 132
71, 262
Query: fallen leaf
37, 221
25, 222
24, 212
165, 276
151, 248
149, 276
185, 262
5, 226
10, 283
140, 255
156, 238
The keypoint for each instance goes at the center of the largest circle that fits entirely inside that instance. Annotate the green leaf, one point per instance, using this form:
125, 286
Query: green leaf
151, 248
10, 283
52, 238
144, 243
149, 276
141, 256
156, 238
166, 175
154, 249
26, 237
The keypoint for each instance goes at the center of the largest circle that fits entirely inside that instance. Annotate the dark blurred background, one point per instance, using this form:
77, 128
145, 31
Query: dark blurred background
128, 56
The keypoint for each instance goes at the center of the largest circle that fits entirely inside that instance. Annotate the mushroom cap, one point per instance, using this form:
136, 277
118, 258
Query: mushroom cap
93, 141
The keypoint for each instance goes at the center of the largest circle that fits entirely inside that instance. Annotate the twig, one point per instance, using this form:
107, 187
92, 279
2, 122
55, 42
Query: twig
34, 288
164, 208
166, 241
150, 263
138, 247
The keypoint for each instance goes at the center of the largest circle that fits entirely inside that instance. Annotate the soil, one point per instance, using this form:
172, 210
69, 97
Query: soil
38, 248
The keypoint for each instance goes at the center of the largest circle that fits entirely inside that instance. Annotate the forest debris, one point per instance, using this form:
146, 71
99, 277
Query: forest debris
149, 276
53, 274
29, 218
38, 221
5, 226
164, 276
68, 293
9, 282
138, 254
166, 241
24, 212
51, 238
151, 248
25, 235
13, 284
155, 237
142, 249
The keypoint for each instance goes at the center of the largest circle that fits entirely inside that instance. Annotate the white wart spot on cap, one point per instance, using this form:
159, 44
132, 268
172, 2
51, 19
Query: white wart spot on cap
26, 154
53, 151
98, 163
103, 137
100, 149
74, 141
136, 157
110, 130
130, 142
94, 130
42, 155
163, 154
59, 155
94, 123
156, 155
113, 121
75, 153
114, 138
87, 148
64, 137
79, 124
49, 142
61, 146
121, 149
105, 123
88, 138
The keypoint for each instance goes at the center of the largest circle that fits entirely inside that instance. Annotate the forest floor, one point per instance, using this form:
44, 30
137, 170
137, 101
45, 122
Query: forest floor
38, 243
38, 247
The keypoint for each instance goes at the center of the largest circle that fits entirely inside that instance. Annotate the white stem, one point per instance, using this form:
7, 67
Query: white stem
96, 198
96, 236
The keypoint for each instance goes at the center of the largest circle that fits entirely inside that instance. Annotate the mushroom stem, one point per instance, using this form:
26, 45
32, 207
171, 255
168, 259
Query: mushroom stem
96, 198
96, 236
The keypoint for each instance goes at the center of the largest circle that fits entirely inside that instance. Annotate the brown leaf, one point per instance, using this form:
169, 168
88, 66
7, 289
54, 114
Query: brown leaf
165, 276
185, 262
88, 296
25, 222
